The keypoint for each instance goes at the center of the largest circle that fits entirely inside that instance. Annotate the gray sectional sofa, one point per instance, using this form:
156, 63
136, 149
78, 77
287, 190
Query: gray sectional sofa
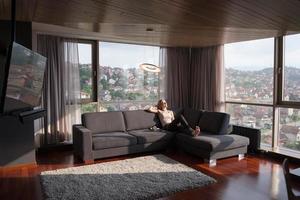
106, 134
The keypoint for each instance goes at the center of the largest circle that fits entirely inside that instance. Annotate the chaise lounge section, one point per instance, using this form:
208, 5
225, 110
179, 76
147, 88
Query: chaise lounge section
215, 141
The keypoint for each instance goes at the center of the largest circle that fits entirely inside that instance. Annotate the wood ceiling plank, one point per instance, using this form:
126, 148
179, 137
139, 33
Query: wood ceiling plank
25, 9
175, 23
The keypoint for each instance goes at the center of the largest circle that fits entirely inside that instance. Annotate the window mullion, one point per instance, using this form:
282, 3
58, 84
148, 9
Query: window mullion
278, 70
95, 58
277, 89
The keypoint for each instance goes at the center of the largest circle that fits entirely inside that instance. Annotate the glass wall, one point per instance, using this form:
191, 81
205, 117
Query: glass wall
249, 72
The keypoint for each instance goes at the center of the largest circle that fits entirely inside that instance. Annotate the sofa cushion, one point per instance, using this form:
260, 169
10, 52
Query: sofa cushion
112, 140
103, 122
140, 119
147, 136
214, 122
192, 116
211, 142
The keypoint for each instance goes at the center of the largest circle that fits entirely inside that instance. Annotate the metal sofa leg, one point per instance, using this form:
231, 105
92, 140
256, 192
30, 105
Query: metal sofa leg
211, 162
241, 156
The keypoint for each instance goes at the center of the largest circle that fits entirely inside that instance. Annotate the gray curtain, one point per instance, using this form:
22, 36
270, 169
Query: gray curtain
194, 77
177, 76
61, 94
206, 73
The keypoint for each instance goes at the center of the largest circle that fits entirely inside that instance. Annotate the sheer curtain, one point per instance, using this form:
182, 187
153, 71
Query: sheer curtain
163, 74
61, 94
220, 80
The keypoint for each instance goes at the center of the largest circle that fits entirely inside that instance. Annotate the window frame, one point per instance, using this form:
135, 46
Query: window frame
249, 102
280, 76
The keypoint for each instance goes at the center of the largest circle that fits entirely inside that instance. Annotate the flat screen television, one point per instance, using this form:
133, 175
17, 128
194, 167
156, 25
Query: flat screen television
25, 79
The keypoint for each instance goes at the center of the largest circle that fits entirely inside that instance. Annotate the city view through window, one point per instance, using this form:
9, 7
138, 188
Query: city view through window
85, 70
122, 85
249, 85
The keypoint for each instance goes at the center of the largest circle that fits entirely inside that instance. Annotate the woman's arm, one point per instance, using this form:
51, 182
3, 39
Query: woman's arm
153, 109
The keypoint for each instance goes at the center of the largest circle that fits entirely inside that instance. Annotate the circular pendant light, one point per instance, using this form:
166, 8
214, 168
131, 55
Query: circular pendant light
149, 67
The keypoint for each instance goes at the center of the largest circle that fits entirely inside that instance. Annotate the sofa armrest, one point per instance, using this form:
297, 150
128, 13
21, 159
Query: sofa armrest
82, 142
253, 134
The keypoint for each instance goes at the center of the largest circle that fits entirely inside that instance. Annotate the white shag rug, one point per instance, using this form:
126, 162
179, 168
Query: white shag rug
148, 177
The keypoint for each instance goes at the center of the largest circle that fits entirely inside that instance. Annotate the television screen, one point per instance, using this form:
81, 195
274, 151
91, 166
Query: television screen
25, 79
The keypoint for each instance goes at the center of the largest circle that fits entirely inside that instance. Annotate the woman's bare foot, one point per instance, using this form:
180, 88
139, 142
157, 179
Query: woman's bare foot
196, 132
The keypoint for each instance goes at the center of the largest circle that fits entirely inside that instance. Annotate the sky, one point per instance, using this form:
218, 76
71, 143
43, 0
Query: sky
259, 54
85, 53
292, 46
120, 55
249, 55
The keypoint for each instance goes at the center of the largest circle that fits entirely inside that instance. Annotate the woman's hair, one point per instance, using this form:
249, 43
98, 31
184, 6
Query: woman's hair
160, 104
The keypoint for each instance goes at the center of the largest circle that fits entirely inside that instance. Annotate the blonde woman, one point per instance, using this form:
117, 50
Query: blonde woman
169, 122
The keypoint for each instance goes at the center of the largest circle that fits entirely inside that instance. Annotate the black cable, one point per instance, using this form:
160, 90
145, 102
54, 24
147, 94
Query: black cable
13, 20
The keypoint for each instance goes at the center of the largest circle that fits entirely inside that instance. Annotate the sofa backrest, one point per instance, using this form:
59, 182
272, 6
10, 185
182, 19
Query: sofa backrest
214, 122
192, 116
140, 119
104, 122
177, 111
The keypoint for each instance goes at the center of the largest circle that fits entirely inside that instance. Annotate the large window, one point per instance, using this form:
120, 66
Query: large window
249, 69
250, 84
122, 84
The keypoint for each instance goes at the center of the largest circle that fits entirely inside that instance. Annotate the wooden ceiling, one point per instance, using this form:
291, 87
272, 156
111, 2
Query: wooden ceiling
174, 23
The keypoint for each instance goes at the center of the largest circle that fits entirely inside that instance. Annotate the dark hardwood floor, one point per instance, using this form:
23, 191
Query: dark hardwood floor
255, 177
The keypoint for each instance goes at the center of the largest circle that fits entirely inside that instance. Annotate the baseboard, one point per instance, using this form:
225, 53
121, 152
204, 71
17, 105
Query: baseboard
18, 166
65, 146
277, 156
